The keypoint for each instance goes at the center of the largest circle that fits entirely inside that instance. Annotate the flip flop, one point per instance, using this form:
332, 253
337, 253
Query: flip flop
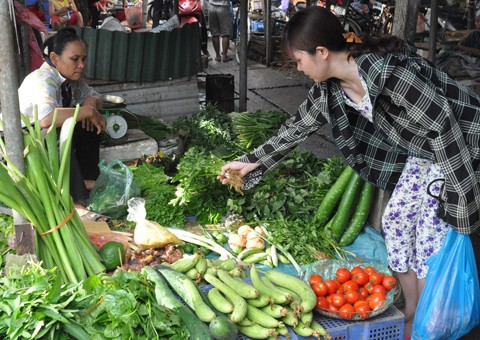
218, 59
92, 216
227, 59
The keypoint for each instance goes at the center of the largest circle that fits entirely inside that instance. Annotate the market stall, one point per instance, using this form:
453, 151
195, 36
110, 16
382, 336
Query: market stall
184, 248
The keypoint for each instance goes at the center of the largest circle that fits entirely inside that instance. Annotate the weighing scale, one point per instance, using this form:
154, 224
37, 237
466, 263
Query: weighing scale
117, 126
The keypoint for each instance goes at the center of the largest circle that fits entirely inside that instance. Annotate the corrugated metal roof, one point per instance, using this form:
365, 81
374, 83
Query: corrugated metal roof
143, 56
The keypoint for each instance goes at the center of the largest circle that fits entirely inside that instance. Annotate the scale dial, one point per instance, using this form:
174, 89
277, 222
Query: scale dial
116, 126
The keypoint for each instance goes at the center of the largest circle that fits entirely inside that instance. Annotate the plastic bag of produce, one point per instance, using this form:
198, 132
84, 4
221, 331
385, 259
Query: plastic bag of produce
449, 306
148, 234
113, 188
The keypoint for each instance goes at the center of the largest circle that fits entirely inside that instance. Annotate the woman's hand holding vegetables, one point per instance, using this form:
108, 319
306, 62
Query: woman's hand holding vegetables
242, 168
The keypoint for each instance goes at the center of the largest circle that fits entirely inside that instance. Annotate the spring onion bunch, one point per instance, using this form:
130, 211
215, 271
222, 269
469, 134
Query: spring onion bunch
42, 196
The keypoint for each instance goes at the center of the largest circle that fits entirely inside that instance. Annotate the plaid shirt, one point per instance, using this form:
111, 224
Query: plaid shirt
418, 111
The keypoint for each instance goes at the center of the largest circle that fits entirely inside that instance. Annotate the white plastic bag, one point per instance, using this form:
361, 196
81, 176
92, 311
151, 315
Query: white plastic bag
148, 234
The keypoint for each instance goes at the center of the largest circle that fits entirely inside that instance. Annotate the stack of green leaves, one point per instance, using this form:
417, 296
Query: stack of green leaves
254, 128
42, 196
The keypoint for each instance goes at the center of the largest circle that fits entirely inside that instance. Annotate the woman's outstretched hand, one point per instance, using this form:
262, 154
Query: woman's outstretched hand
242, 168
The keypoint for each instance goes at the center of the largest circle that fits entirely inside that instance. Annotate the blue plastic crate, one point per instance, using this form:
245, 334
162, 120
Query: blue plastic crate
386, 326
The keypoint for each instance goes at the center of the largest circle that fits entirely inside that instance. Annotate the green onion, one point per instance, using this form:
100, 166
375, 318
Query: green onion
201, 241
42, 196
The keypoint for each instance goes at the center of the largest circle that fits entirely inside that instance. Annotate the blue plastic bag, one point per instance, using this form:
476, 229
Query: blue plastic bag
449, 306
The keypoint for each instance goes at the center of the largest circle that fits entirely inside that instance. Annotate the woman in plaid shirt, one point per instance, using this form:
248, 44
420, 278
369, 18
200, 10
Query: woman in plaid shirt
400, 123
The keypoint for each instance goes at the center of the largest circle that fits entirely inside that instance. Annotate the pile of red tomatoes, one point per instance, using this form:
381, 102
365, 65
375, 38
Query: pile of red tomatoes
352, 294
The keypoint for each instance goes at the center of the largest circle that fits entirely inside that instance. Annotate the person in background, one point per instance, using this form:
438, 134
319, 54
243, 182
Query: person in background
471, 44
58, 85
220, 24
64, 12
401, 124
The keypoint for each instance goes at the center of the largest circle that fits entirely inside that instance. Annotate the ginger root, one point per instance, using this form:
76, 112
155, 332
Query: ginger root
234, 180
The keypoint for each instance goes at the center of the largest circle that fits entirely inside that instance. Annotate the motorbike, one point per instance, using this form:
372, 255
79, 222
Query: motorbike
371, 17
294, 6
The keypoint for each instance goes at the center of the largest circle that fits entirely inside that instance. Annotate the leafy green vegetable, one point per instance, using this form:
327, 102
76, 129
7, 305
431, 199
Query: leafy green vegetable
198, 188
123, 307
253, 128
209, 129
158, 192
32, 305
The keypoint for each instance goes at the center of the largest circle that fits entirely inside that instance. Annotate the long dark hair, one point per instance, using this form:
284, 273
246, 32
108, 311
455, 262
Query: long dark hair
317, 26
57, 43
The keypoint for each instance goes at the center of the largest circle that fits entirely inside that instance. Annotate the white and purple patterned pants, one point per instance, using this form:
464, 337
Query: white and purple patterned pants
412, 230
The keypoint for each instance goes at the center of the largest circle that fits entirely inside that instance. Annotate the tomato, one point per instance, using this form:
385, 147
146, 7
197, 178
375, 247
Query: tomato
360, 277
376, 278
315, 278
389, 282
363, 291
320, 289
338, 300
376, 300
332, 309
329, 298
355, 269
332, 286
343, 275
379, 289
352, 296
346, 311
350, 285
322, 303
369, 287
369, 270
362, 308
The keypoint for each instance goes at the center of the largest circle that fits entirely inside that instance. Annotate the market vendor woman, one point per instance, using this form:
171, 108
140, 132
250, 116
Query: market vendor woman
58, 85
400, 123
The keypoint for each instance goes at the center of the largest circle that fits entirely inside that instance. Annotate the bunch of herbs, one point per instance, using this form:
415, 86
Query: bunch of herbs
158, 192
197, 187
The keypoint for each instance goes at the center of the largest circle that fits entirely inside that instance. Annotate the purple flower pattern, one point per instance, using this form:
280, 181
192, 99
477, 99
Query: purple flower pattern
411, 228
365, 105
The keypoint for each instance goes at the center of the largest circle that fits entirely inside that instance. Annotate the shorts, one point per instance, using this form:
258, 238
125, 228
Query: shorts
71, 21
412, 230
220, 21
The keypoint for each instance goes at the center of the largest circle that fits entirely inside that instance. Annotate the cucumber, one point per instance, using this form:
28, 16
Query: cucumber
261, 301
219, 301
257, 281
185, 264
319, 331
255, 258
274, 310
198, 330
332, 197
247, 252
188, 291
239, 303
255, 331
239, 286
261, 318
303, 330
346, 206
302, 289
222, 328
356, 223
